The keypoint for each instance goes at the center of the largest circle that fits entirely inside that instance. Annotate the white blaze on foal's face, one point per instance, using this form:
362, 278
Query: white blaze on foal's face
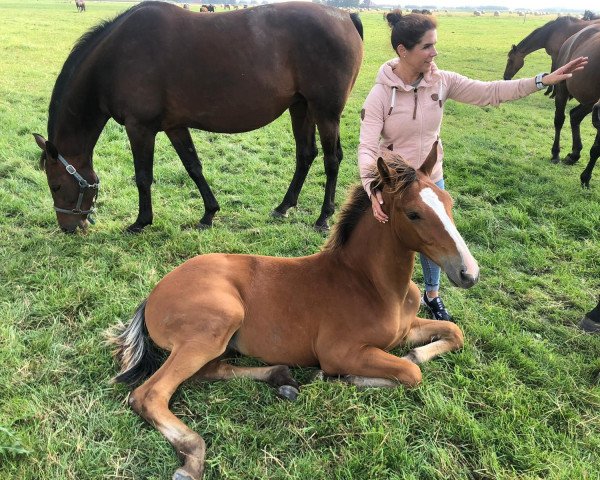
431, 199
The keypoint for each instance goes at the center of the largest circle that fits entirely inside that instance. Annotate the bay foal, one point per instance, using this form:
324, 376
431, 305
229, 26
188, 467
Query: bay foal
341, 309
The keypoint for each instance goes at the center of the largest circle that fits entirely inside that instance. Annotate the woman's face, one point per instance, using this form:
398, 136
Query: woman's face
419, 57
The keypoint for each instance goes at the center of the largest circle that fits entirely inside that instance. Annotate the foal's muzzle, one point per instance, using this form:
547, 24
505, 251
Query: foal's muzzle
460, 277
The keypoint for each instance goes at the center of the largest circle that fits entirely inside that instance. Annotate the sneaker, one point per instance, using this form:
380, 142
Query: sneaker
437, 308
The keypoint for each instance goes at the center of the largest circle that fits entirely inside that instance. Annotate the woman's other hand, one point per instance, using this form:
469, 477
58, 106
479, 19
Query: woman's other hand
565, 72
376, 202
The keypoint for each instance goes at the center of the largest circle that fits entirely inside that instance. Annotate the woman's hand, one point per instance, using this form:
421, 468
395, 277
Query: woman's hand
566, 71
376, 202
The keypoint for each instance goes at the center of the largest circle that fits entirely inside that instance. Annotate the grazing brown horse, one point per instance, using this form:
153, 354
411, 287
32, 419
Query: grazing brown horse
551, 37
341, 309
157, 67
585, 88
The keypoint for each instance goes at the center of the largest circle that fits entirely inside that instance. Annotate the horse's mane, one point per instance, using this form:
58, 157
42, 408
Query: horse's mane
402, 176
542, 31
80, 51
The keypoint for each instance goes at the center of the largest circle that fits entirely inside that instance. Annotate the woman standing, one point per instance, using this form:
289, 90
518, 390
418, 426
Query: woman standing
403, 113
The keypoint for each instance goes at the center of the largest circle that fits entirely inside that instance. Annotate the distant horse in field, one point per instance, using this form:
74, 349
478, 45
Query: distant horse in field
585, 88
341, 310
80, 4
157, 67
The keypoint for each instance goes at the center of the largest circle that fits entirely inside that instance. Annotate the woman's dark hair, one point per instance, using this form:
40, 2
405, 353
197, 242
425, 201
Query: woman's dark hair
408, 30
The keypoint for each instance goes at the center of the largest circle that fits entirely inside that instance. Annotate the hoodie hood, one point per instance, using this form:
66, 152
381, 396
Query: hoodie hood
387, 77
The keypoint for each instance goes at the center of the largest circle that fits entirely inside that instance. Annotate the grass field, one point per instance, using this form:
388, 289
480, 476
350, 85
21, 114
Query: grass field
518, 402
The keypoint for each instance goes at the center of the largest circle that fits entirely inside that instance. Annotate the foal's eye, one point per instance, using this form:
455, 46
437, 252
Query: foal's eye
55, 188
413, 216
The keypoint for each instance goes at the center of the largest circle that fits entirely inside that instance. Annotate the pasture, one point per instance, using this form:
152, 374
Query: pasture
519, 401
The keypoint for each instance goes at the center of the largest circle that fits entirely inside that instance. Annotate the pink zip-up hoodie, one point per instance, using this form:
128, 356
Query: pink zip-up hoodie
407, 120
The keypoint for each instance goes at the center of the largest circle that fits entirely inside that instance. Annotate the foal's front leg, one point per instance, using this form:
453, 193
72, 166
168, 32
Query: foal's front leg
369, 366
435, 336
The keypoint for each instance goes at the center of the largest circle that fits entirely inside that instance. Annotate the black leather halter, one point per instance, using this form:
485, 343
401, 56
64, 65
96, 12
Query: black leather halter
83, 186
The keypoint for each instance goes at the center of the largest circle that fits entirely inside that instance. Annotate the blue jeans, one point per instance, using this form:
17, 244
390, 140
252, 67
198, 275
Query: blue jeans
431, 272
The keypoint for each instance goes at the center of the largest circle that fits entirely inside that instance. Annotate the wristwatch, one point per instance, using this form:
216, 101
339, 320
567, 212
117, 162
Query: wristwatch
538, 81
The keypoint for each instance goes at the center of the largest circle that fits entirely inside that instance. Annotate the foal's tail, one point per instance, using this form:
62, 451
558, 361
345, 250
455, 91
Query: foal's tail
138, 356
358, 24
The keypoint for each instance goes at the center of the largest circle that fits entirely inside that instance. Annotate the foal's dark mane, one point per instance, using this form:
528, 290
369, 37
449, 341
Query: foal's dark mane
80, 50
542, 31
402, 176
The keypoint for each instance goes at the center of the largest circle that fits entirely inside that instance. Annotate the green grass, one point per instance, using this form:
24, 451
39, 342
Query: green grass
518, 402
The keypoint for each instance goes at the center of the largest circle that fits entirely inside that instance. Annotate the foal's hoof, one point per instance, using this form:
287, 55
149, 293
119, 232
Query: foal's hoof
555, 160
288, 392
181, 474
203, 226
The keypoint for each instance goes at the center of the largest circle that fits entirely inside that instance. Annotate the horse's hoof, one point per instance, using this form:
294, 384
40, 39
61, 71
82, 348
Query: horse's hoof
276, 214
569, 160
134, 229
203, 226
322, 227
588, 325
288, 392
181, 474
555, 160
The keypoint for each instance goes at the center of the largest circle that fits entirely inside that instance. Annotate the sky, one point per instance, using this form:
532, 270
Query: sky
571, 5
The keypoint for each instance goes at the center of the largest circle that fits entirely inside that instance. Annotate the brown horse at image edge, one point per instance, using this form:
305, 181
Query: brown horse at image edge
158, 67
341, 309
551, 37
583, 87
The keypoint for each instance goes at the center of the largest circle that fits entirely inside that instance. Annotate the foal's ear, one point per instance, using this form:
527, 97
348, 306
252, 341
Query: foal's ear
384, 171
430, 161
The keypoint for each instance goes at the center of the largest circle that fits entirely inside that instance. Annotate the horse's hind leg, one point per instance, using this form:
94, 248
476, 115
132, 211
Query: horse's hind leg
142, 147
560, 103
586, 175
278, 376
435, 336
182, 142
576, 116
329, 131
151, 402
303, 127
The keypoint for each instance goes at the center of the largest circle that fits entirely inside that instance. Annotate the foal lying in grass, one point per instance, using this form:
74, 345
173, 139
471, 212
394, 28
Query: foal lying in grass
341, 309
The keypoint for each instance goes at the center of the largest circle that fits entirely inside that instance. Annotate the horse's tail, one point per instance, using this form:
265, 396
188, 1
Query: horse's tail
358, 24
138, 356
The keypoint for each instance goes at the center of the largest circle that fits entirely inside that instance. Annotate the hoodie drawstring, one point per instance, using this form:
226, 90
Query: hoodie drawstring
393, 101
415, 109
